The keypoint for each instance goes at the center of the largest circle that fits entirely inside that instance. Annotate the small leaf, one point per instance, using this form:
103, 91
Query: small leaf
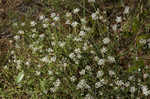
43, 83
135, 25
20, 77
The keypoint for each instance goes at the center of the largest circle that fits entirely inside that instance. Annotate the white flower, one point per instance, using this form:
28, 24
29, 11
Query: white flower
139, 80
23, 24
98, 84
56, 18
103, 81
33, 35
127, 84
71, 55
88, 68
74, 24
53, 59
79, 56
91, 1
15, 24
145, 90
57, 83
87, 86
34, 30
41, 17
68, 22
20, 32
83, 20
68, 14
132, 89
50, 72
126, 10
77, 39
92, 52
82, 84
5, 67
96, 58
136, 58
97, 11
32, 23
62, 44
45, 25
53, 43
27, 63
82, 72
94, 16
65, 64
42, 35
103, 50
85, 47
148, 40
16, 37
131, 78
11, 41
106, 40
101, 62
77, 50
111, 59
114, 27
101, 17
111, 73
100, 74
88, 96
88, 29
118, 19
46, 20
12, 52
82, 33
53, 15
76, 10
53, 89
142, 41
145, 76
38, 72
119, 82
45, 59
18, 62
73, 78
76, 61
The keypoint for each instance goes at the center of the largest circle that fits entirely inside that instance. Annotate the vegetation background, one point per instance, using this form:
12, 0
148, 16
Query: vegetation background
131, 55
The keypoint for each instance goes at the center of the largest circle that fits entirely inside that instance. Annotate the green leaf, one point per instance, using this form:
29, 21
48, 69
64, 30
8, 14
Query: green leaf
135, 25
42, 84
20, 77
